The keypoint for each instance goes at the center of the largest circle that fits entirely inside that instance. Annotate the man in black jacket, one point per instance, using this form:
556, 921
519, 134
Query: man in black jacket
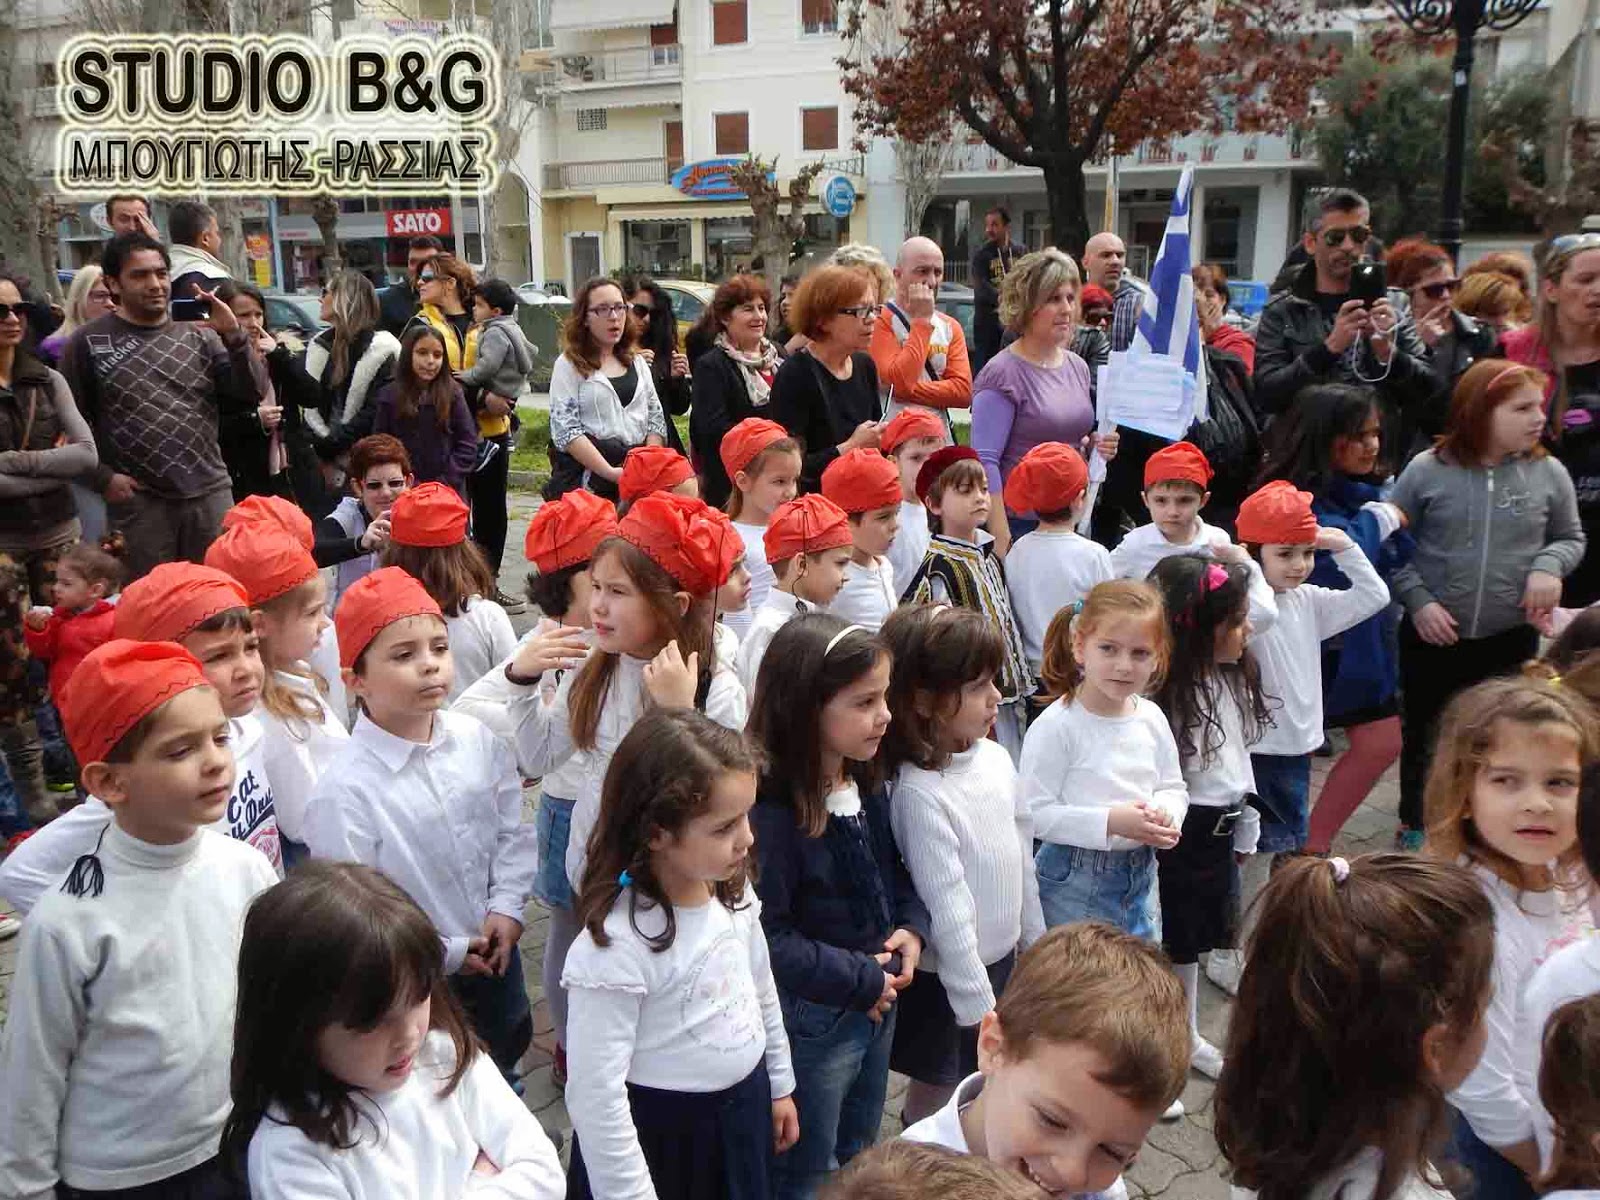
398, 302
990, 265
1315, 333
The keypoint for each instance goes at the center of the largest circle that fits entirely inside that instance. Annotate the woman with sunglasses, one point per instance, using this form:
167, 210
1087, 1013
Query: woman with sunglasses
828, 396
1425, 273
658, 345
1564, 342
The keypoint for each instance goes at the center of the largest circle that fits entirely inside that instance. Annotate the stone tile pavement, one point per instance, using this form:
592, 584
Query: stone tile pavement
1180, 1160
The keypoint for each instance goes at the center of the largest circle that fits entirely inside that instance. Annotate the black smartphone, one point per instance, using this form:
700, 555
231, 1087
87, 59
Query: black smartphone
1369, 282
190, 309
895, 964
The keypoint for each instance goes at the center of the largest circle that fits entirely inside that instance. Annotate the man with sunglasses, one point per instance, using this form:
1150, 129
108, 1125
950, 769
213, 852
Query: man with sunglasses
1316, 332
399, 302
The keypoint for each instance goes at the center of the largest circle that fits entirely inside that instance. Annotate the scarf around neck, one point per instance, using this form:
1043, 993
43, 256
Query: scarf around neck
751, 365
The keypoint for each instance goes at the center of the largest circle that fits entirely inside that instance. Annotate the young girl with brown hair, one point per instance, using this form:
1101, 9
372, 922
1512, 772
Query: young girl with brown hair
763, 463
1361, 1004
426, 409
1567, 1079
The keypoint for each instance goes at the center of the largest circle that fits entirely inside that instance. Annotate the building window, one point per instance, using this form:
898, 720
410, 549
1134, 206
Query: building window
819, 16
591, 120
733, 133
1036, 229
730, 22
819, 128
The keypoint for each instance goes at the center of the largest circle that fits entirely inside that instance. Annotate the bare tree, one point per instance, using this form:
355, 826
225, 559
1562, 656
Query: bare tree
922, 166
774, 232
1561, 207
325, 212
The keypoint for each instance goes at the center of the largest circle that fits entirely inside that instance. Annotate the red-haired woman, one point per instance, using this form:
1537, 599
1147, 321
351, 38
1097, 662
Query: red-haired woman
733, 379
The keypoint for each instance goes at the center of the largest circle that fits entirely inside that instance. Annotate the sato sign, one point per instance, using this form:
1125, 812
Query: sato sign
709, 179
839, 197
413, 222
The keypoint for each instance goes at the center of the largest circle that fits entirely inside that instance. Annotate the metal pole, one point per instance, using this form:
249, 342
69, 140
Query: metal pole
1468, 14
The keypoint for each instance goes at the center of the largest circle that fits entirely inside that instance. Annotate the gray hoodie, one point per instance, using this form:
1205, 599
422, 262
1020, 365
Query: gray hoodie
1480, 531
505, 356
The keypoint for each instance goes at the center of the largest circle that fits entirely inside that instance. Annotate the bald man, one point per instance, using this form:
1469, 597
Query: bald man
1105, 264
920, 353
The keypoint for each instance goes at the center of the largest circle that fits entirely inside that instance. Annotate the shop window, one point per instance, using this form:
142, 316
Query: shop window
591, 120
819, 128
733, 133
730, 22
819, 16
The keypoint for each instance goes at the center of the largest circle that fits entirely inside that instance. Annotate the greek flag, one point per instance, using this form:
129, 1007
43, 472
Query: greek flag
1172, 327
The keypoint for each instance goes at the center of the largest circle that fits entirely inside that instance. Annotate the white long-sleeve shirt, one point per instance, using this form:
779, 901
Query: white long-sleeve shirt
910, 545
41, 862
1228, 777
299, 751
442, 819
1569, 974
775, 612
117, 1048
762, 578
1528, 928
868, 596
1077, 766
543, 730
696, 1017
417, 1145
966, 834
1047, 570
1290, 651
479, 637
1141, 549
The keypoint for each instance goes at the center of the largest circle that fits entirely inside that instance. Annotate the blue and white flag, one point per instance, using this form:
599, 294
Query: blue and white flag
1171, 326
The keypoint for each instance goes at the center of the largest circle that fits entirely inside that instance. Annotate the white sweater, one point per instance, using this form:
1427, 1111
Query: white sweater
1358, 1180
1047, 570
543, 731
910, 545
480, 637
1290, 651
1076, 766
1142, 548
299, 750
41, 862
762, 577
1571, 973
868, 595
1528, 928
1228, 777
417, 1145
967, 838
776, 611
116, 1053
696, 1017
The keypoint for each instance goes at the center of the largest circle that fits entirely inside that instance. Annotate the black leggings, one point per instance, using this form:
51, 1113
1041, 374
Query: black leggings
1429, 677
486, 489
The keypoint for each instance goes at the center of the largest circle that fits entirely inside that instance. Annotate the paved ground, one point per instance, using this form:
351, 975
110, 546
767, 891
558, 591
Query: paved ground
1179, 1161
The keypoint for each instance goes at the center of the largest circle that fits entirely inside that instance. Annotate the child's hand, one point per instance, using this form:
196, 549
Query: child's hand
1435, 625
476, 962
38, 617
909, 946
558, 649
501, 933
482, 1165
1332, 539
1106, 443
1230, 552
785, 1124
670, 680
1541, 596
1142, 823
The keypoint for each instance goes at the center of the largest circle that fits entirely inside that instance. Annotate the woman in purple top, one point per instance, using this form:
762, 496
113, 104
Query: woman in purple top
1035, 390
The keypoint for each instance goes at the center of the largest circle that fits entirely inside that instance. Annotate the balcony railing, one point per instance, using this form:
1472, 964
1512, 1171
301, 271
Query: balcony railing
643, 64
574, 176
1228, 149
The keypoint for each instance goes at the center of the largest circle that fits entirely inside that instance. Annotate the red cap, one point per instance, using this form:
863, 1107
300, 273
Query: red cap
938, 463
565, 532
272, 510
263, 557
385, 596
694, 544
862, 480
1095, 294
1181, 460
429, 514
119, 684
1050, 478
652, 469
909, 424
807, 524
746, 440
173, 599
1279, 514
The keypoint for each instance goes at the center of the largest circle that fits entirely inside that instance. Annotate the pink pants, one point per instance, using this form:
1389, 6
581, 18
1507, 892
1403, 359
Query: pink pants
1374, 747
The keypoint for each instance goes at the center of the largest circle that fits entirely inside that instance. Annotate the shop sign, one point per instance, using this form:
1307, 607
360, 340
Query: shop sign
709, 179
839, 197
413, 222
257, 248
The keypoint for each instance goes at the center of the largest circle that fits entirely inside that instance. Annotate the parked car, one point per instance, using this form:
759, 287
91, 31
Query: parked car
956, 300
690, 299
301, 315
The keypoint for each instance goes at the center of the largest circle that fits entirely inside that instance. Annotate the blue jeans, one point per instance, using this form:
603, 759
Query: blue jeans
552, 829
1284, 783
1118, 886
13, 818
1494, 1177
497, 1008
841, 1072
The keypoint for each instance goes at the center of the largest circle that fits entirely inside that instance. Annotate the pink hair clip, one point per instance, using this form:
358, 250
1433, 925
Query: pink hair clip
1216, 576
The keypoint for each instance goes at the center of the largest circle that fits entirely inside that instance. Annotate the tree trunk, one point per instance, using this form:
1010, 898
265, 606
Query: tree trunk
325, 212
1067, 195
19, 195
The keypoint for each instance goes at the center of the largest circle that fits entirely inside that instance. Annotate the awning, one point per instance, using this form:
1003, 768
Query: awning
567, 16
637, 95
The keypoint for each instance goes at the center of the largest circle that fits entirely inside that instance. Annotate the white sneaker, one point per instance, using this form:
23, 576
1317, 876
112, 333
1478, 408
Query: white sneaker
1205, 1058
10, 926
1223, 968
1174, 1111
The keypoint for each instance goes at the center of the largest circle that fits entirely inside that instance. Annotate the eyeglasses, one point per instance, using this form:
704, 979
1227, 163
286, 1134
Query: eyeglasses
607, 310
1438, 291
862, 312
1358, 234
641, 310
7, 311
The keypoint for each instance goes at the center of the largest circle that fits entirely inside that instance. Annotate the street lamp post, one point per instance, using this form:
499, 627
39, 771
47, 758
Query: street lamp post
1431, 18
